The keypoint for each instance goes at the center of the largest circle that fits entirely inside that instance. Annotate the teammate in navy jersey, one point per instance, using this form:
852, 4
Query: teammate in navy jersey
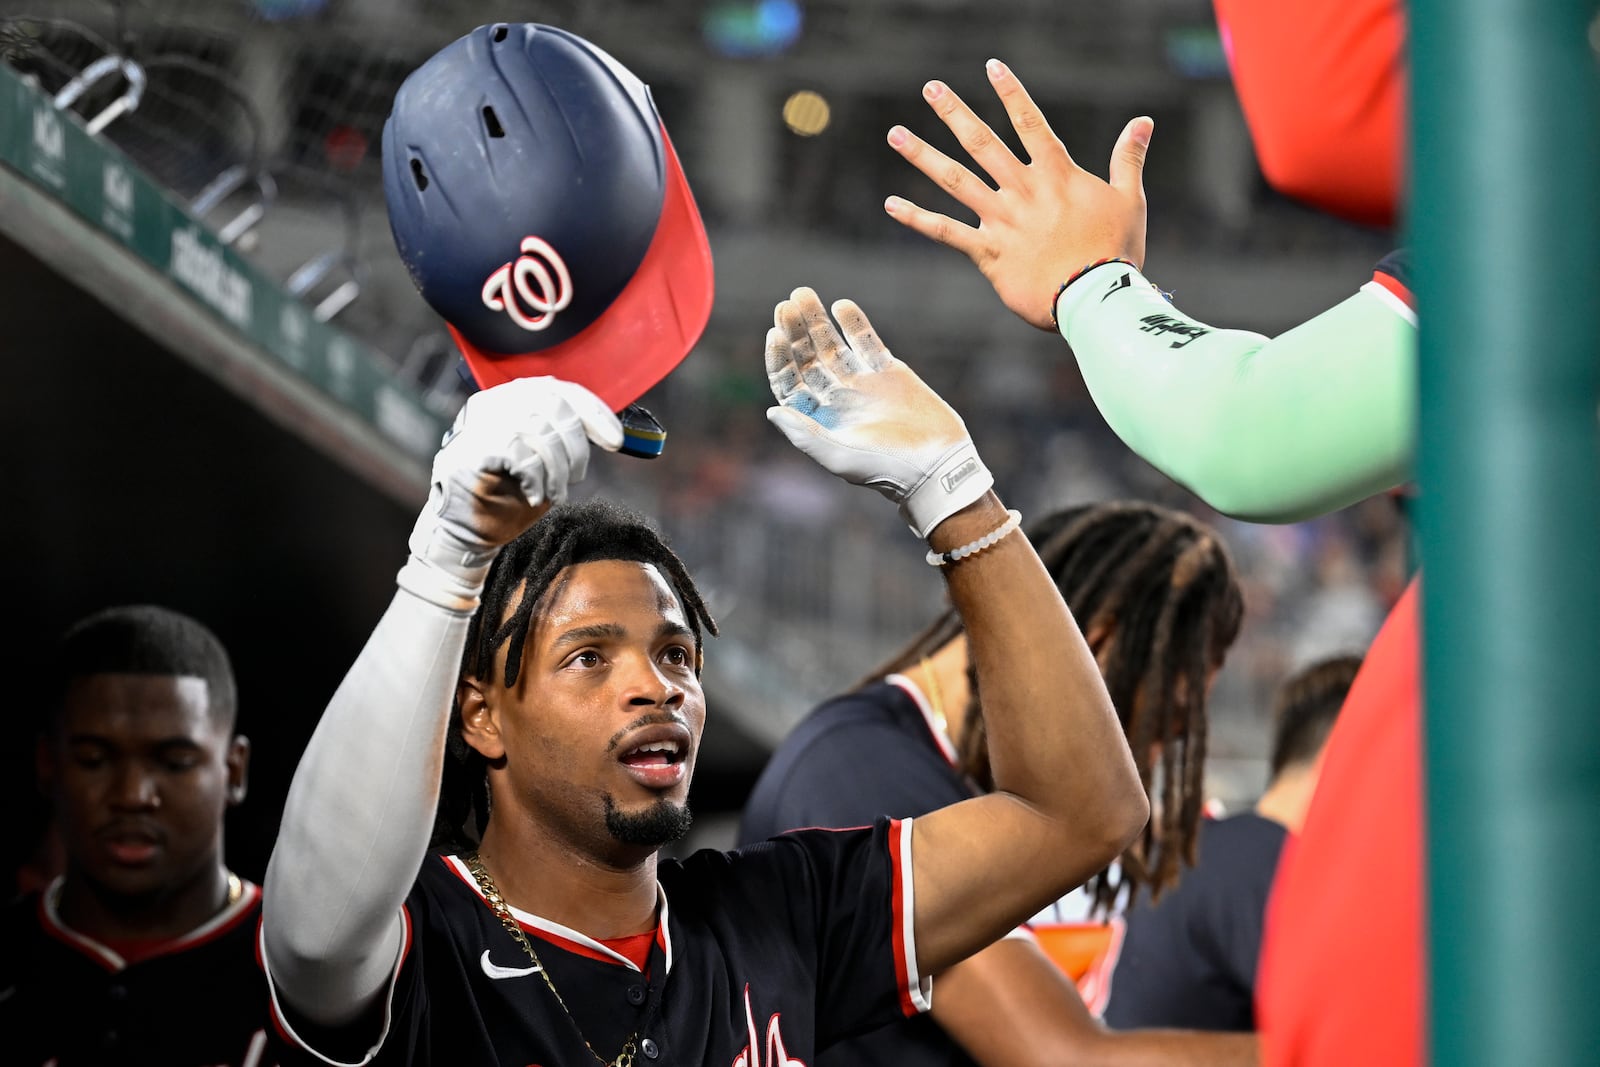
1190, 958
142, 950
1157, 595
534, 685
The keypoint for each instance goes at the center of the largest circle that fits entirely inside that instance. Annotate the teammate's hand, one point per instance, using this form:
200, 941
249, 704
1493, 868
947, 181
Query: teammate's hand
1047, 218
511, 453
864, 415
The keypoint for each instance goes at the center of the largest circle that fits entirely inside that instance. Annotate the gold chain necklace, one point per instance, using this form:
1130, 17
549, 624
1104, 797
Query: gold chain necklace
936, 699
497, 903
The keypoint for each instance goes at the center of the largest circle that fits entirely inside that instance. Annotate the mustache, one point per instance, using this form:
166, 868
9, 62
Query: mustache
651, 719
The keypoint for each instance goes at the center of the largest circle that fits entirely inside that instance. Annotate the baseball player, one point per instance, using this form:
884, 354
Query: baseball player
142, 949
1160, 603
1266, 429
534, 684
569, 648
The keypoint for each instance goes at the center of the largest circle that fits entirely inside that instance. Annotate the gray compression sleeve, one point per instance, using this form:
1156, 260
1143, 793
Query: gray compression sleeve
1263, 429
359, 816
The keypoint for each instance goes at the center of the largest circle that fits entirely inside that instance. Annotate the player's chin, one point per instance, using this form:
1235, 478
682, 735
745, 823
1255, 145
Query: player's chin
653, 824
124, 880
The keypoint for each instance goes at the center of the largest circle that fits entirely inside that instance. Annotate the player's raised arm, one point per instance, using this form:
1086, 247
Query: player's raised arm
1267, 429
360, 809
1068, 798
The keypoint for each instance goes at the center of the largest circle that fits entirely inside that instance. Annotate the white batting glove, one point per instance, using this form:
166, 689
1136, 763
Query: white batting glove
512, 451
866, 416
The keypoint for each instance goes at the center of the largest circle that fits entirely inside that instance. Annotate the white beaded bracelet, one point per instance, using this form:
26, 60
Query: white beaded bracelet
1013, 520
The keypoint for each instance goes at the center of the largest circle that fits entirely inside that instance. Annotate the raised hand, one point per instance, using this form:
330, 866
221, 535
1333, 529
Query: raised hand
864, 415
512, 452
1048, 217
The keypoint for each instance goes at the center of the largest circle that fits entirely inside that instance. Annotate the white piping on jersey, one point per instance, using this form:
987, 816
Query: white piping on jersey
940, 737
918, 986
566, 933
51, 900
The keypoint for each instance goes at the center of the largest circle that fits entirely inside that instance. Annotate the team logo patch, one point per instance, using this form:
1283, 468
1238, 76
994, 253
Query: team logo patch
532, 288
763, 1050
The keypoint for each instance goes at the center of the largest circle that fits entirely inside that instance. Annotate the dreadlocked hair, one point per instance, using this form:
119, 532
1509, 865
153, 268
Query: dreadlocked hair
518, 586
1157, 596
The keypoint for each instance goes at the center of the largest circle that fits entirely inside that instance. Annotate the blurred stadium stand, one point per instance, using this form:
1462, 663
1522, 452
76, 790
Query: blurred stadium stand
163, 456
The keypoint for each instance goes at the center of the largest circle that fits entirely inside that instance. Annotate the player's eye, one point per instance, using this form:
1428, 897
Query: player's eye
678, 656
587, 659
89, 757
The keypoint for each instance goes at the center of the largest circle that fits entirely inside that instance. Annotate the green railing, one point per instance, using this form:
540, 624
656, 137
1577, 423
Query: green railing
54, 150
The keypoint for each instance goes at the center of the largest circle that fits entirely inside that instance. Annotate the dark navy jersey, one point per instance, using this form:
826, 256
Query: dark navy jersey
1189, 961
761, 956
69, 1001
877, 751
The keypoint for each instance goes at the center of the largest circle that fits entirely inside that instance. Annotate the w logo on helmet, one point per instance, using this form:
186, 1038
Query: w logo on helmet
538, 280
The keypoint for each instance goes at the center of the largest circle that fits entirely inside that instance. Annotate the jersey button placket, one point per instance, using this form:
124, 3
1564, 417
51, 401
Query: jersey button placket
650, 1049
636, 995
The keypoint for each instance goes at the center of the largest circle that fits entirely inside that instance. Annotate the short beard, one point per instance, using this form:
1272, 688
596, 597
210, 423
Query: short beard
661, 824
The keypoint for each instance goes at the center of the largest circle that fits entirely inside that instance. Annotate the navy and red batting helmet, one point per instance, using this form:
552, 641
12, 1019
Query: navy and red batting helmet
542, 212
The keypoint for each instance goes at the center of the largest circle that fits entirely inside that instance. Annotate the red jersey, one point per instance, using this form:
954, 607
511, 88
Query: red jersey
1341, 974
1322, 84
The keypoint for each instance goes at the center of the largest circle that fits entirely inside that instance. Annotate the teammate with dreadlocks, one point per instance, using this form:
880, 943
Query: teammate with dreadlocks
539, 206
549, 930
1158, 600
1190, 958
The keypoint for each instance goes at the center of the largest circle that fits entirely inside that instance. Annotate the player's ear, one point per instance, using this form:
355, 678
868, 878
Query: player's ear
238, 760
480, 726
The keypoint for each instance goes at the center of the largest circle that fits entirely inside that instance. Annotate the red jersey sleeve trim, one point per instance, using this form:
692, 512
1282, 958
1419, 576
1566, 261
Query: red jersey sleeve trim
1395, 286
1393, 292
916, 990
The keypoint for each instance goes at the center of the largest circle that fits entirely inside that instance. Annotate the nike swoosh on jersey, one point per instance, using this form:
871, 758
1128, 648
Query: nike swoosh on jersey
494, 970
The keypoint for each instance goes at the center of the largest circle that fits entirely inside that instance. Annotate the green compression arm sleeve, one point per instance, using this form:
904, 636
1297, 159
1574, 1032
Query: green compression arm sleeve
1266, 430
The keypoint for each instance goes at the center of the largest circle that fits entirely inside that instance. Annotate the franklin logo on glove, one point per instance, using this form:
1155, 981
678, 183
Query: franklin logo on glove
960, 474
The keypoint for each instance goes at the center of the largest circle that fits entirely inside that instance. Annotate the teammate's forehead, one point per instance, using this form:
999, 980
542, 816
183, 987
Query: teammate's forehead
142, 704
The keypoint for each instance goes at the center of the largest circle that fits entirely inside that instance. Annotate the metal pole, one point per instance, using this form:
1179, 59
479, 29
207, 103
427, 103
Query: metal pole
1505, 222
